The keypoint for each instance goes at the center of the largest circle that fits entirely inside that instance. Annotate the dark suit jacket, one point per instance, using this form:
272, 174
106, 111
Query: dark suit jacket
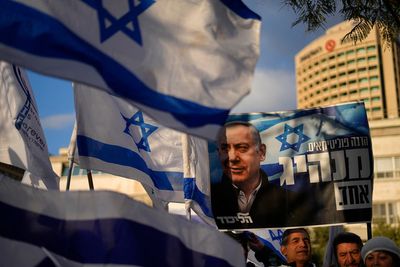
273, 206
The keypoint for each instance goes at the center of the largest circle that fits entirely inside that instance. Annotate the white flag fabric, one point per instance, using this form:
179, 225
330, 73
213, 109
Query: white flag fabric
184, 63
196, 173
115, 137
22, 142
102, 228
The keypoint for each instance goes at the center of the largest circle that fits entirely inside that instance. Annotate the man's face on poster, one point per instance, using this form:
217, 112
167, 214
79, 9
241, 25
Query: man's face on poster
240, 155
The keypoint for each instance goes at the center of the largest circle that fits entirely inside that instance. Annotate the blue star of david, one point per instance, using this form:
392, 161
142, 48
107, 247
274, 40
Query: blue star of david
289, 130
145, 128
110, 25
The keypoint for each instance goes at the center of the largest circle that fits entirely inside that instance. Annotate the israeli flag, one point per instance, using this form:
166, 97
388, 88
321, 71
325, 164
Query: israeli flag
22, 142
115, 137
272, 239
196, 172
102, 228
184, 63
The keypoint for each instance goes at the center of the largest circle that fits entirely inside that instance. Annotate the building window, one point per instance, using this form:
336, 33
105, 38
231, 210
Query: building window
362, 70
371, 58
384, 213
374, 88
351, 62
361, 50
384, 167
351, 71
372, 67
361, 59
363, 80
349, 52
371, 48
375, 99
76, 171
373, 78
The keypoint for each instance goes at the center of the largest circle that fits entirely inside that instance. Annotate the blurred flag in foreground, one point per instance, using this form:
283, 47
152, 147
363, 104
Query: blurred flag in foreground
272, 239
22, 142
97, 228
184, 63
115, 137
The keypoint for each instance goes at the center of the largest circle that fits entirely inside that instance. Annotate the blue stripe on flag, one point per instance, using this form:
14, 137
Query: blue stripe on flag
191, 191
89, 147
241, 9
101, 241
272, 169
27, 26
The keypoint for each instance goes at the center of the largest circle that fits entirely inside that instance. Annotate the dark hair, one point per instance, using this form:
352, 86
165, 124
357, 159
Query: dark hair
346, 237
254, 131
288, 232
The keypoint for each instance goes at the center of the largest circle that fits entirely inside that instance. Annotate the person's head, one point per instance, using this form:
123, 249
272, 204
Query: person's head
241, 153
381, 251
348, 249
296, 246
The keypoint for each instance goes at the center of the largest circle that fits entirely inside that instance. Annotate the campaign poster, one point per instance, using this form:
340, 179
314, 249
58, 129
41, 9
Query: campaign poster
296, 168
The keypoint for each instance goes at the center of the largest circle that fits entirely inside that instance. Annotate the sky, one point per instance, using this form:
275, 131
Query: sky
273, 85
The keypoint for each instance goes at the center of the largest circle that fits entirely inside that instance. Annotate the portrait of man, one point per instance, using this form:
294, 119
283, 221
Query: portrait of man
244, 198
278, 170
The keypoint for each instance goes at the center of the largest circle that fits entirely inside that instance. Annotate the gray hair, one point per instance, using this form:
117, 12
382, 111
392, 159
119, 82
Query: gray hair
288, 232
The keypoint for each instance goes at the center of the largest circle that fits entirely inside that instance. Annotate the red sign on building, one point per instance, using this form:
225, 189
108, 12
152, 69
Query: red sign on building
330, 45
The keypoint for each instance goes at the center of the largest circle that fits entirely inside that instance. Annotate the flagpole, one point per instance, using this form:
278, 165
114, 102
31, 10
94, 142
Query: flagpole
187, 173
70, 166
90, 179
369, 230
71, 155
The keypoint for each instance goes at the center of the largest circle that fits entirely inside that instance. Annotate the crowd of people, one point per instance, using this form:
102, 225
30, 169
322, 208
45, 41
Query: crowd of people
348, 249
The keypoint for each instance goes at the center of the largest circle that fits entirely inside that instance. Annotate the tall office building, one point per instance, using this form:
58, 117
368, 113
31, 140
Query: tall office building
330, 72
